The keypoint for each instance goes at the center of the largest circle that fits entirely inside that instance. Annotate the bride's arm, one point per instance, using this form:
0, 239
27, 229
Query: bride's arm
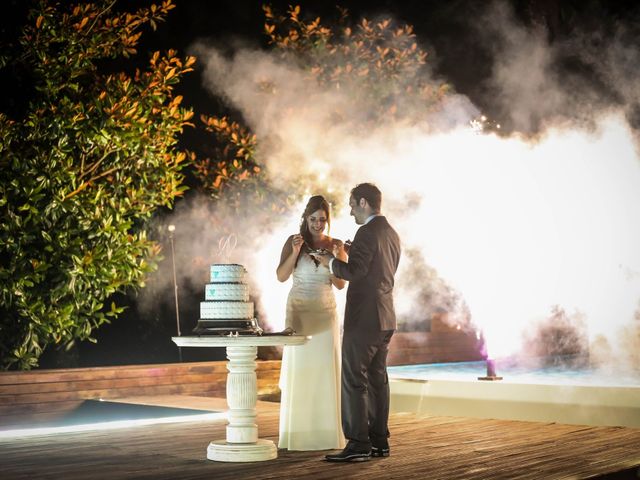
287, 260
340, 254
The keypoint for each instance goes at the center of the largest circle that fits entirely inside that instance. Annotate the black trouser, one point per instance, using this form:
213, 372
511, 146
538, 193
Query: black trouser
365, 389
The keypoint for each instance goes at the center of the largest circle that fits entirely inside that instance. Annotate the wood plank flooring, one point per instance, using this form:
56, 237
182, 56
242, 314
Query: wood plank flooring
421, 448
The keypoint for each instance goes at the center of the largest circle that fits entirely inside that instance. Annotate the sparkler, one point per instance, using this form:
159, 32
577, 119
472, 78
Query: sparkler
491, 371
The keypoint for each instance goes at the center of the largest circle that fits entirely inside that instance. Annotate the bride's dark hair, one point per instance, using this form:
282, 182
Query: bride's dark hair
315, 203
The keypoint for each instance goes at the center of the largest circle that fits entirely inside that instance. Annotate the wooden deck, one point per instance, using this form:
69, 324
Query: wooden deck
421, 448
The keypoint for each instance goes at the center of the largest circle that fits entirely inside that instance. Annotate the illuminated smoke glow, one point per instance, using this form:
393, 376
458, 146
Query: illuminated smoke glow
516, 225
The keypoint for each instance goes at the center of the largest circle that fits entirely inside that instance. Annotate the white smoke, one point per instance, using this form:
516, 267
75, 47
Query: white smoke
515, 225
537, 85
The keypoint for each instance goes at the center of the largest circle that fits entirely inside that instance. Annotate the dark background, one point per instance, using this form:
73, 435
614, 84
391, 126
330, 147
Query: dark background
445, 29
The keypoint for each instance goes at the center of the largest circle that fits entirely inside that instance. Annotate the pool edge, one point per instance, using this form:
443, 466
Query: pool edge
580, 405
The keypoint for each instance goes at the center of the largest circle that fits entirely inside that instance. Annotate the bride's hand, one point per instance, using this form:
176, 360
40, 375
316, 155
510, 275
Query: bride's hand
339, 249
296, 243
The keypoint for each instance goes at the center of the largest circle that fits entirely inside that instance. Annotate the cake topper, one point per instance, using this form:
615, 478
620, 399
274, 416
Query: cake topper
226, 244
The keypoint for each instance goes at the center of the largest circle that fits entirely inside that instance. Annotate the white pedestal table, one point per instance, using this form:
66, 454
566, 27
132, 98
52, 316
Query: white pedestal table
242, 443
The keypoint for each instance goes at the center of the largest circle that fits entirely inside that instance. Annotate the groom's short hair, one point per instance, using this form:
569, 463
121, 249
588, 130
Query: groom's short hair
370, 193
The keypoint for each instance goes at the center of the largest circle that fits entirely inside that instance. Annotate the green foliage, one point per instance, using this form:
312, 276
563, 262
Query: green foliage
83, 169
235, 162
379, 63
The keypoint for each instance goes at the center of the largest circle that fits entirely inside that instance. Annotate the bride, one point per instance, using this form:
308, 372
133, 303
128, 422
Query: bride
310, 374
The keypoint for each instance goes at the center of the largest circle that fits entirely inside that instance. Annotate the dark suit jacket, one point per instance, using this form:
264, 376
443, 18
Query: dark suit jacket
373, 261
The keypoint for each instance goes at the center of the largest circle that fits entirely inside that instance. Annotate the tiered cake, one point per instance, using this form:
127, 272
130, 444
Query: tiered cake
226, 307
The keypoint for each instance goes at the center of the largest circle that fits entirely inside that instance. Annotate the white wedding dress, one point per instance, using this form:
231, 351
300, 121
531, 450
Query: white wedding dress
310, 374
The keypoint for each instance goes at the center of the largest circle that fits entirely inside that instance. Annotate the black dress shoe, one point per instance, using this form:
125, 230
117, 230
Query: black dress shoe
349, 455
380, 451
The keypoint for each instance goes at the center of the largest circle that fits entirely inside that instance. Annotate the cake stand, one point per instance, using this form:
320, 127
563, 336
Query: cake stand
242, 443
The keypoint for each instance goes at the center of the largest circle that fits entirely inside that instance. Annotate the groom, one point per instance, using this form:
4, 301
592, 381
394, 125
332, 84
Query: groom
369, 323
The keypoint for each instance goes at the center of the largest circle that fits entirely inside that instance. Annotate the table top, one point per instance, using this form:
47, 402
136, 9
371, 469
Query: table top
239, 341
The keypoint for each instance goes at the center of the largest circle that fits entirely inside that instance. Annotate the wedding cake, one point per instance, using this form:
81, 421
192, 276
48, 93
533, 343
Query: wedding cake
226, 308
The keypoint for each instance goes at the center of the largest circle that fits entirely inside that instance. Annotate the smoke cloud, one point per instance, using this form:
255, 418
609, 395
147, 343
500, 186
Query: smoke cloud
536, 85
502, 227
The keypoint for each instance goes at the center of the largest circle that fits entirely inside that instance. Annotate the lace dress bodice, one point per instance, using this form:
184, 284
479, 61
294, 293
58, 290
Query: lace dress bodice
312, 283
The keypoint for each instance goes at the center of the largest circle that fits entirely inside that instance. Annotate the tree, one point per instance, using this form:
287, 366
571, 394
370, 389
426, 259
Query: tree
85, 165
379, 63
